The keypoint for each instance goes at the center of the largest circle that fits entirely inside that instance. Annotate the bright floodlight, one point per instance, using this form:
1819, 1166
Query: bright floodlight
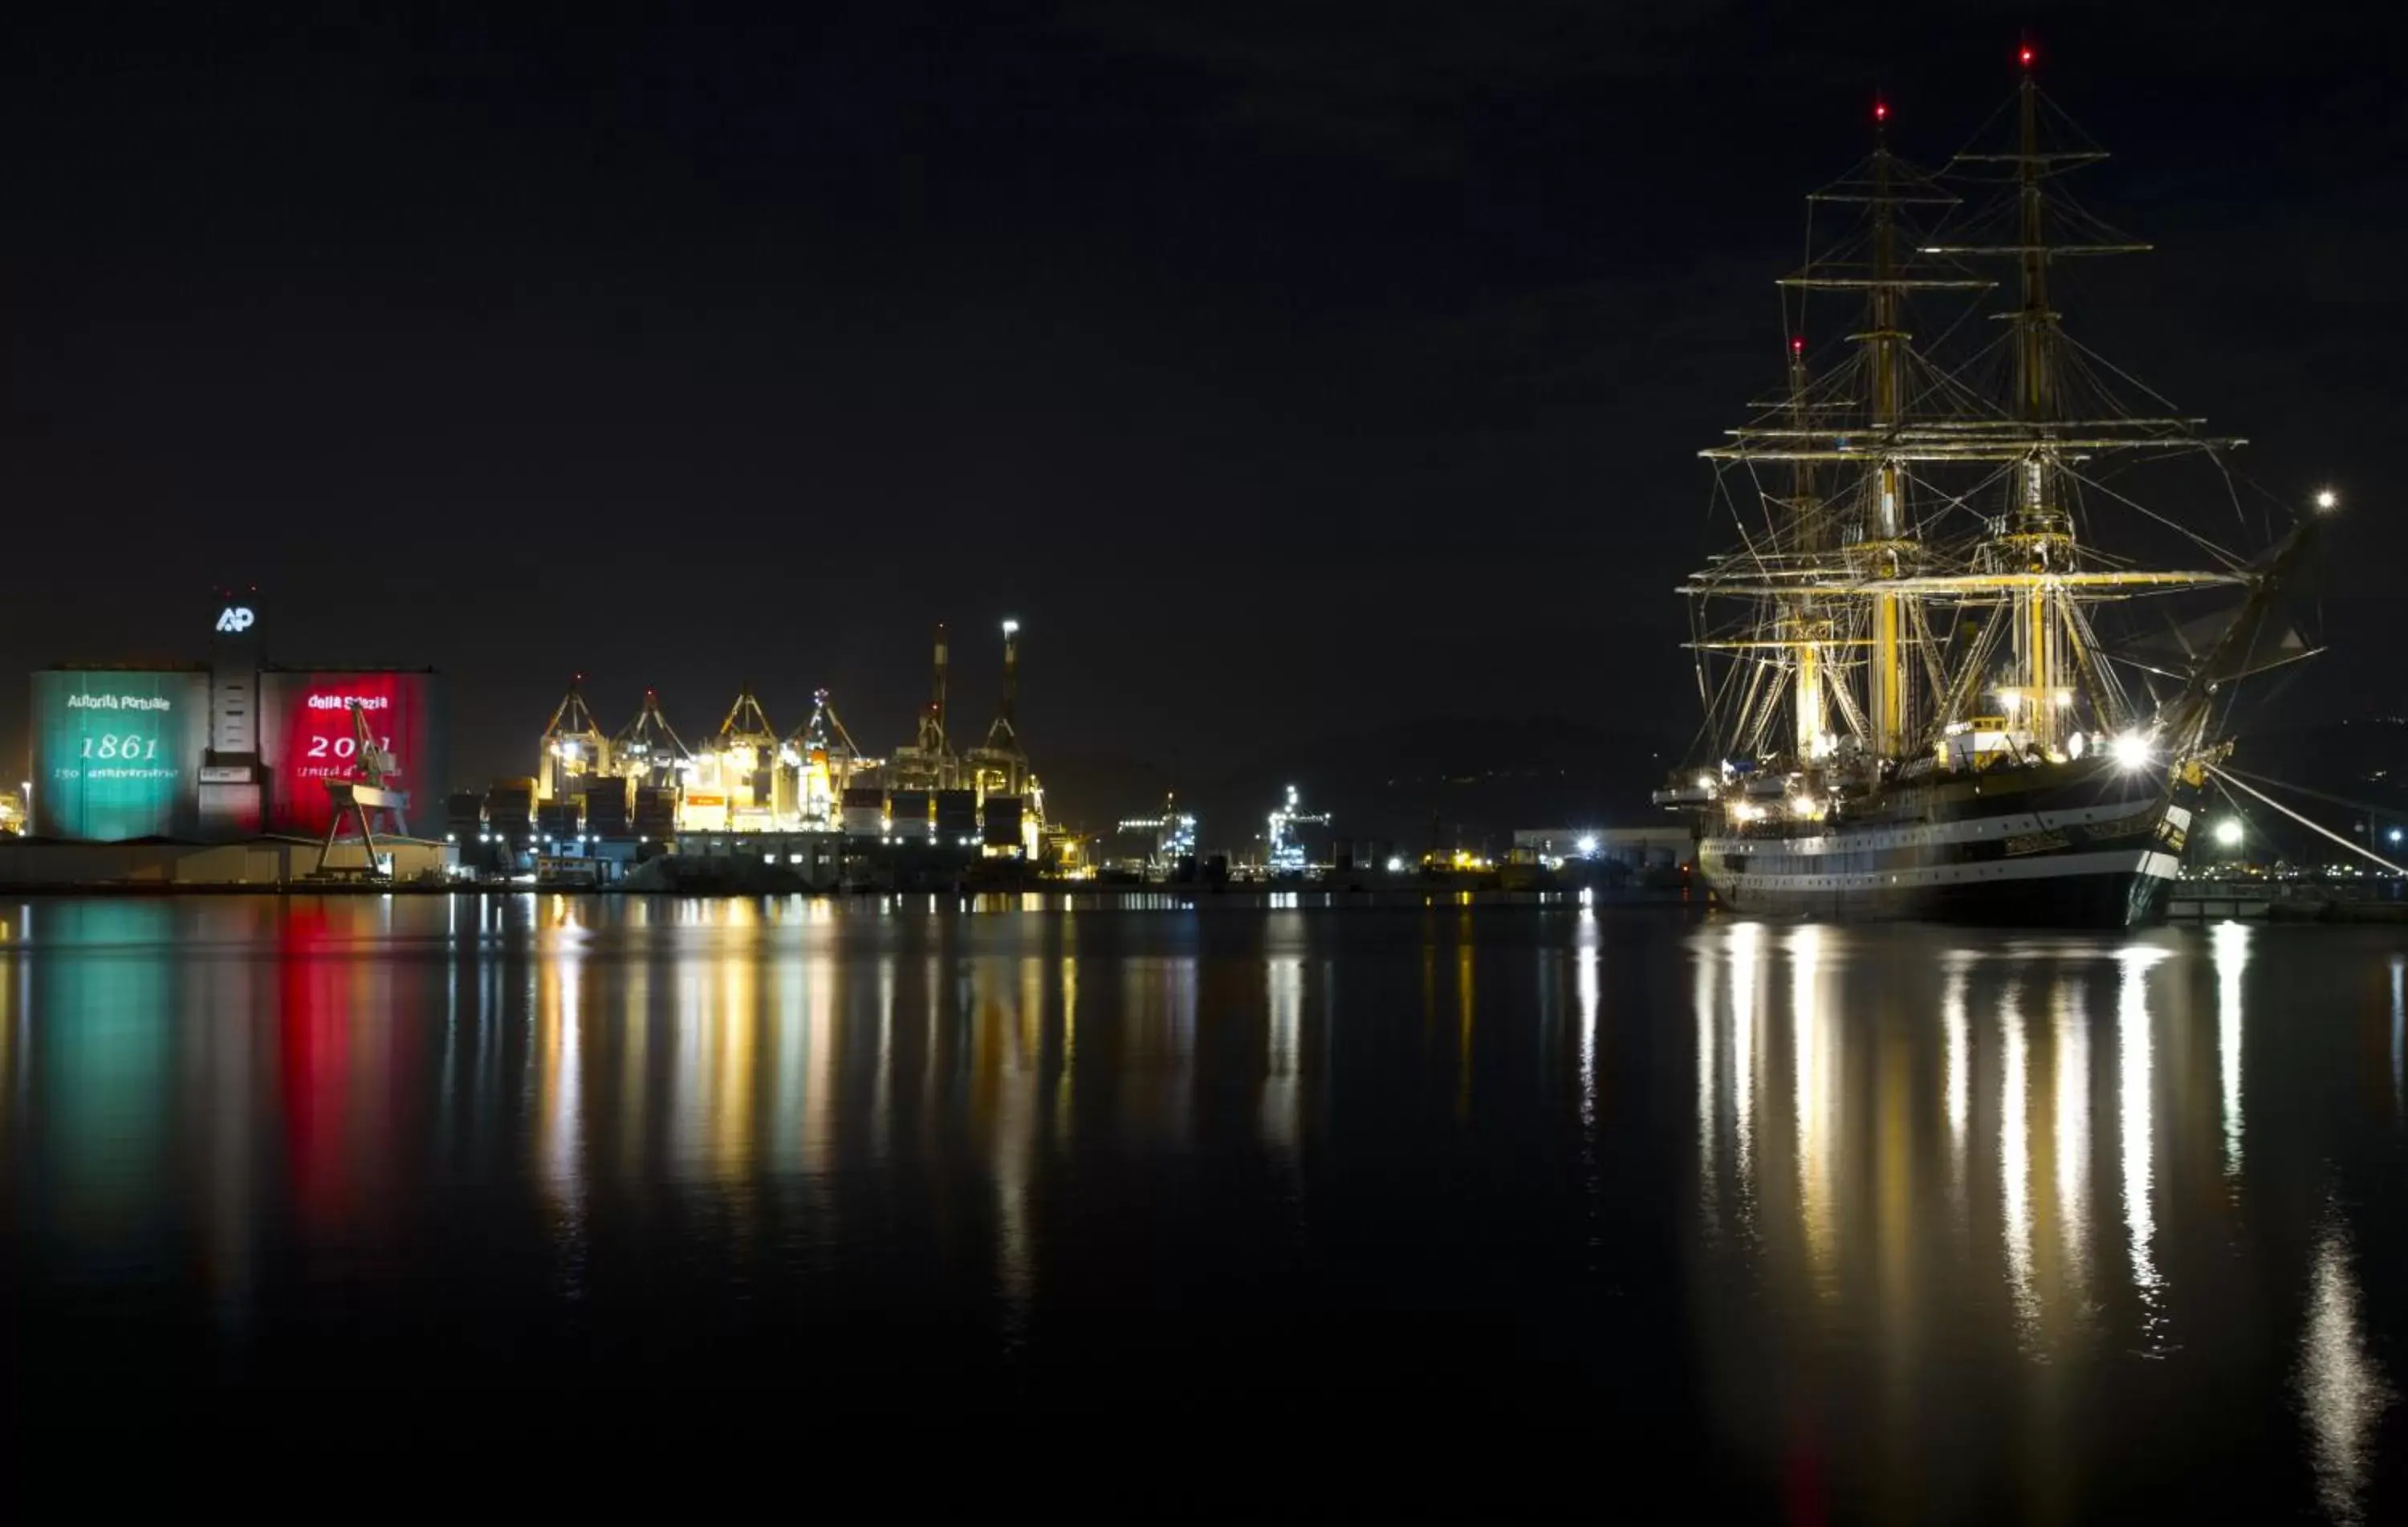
2228, 832
1010, 628
2131, 750
2327, 500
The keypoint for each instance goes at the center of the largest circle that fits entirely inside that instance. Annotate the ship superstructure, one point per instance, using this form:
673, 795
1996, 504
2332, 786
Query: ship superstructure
1926, 665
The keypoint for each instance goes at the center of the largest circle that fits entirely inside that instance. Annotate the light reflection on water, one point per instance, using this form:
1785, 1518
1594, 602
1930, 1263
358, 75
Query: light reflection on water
2343, 1391
2025, 1213
1881, 1198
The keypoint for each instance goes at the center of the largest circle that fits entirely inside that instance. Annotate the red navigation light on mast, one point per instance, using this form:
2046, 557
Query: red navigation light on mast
1881, 111
2024, 56
1798, 345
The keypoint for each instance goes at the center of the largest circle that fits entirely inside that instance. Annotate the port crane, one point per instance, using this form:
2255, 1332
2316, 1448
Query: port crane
574, 746
821, 753
357, 798
1285, 852
648, 749
999, 767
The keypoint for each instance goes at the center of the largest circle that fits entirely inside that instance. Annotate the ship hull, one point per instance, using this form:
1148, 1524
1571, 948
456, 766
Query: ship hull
2073, 849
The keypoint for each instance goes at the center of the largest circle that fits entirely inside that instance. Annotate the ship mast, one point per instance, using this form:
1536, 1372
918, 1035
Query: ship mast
1834, 574
1885, 551
1959, 558
2033, 559
1808, 626
1866, 581
2042, 535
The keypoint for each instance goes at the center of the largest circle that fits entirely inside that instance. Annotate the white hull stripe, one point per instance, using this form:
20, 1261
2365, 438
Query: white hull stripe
1924, 834
2121, 861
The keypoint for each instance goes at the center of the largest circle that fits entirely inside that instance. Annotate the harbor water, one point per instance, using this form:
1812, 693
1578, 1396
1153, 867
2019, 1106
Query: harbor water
1891, 1223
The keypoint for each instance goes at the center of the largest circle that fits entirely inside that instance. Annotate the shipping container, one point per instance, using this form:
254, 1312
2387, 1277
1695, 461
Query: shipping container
657, 812
958, 817
509, 810
1004, 814
606, 807
909, 814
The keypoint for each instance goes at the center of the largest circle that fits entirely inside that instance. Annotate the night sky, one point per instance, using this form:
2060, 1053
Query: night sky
1293, 371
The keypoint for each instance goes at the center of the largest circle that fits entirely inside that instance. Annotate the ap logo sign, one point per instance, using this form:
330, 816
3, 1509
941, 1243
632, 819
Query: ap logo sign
235, 617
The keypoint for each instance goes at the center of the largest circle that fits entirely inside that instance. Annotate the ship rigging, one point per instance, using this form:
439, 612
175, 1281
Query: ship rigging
1943, 536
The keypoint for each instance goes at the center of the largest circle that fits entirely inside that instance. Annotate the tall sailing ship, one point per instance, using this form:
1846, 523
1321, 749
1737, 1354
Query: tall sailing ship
1974, 654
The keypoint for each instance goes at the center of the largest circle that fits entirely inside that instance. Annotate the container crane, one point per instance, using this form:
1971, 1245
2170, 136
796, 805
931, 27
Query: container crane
1283, 852
574, 748
822, 757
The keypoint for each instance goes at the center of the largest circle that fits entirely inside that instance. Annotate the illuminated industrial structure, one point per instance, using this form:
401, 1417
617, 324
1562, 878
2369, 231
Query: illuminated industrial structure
737, 784
821, 753
648, 751
1283, 853
574, 749
1169, 839
1011, 803
643, 792
233, 770
996, 766
926, 763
